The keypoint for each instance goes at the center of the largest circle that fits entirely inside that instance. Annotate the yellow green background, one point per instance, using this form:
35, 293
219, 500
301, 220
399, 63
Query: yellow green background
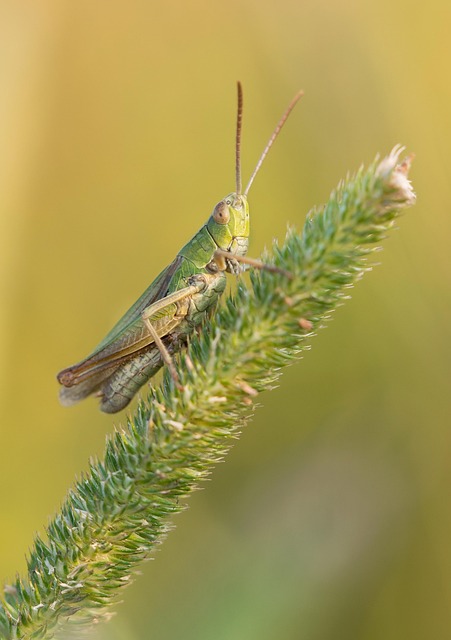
331, 517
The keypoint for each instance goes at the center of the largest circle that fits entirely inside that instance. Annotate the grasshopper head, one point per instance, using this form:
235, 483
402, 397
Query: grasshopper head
229, 224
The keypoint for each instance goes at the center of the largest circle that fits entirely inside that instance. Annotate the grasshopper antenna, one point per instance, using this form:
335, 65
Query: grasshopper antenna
239, 120
274, 135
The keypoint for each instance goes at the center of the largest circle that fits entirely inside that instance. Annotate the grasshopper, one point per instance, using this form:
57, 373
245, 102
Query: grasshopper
177, 301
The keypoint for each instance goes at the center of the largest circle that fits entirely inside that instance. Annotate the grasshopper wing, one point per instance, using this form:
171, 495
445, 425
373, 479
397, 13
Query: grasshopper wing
156, 291
127, 337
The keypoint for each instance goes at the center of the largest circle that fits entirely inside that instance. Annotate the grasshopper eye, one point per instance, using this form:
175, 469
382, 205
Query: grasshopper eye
221, 213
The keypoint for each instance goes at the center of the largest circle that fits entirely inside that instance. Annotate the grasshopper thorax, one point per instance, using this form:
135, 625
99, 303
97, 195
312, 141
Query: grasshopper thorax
228, 224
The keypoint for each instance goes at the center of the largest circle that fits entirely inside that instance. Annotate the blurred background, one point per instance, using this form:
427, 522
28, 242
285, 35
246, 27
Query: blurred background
331, 517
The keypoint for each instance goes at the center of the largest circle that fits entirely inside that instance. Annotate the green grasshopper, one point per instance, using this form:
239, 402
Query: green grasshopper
177, 301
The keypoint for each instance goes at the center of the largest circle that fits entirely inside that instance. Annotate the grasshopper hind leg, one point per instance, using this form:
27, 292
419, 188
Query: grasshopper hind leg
120, 388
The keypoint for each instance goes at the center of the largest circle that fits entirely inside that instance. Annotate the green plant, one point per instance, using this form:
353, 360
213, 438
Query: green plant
116, 514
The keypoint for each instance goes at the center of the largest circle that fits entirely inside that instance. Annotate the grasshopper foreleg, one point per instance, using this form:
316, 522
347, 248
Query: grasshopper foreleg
227, 261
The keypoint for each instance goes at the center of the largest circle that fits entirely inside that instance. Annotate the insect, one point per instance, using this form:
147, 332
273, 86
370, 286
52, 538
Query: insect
176, 302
